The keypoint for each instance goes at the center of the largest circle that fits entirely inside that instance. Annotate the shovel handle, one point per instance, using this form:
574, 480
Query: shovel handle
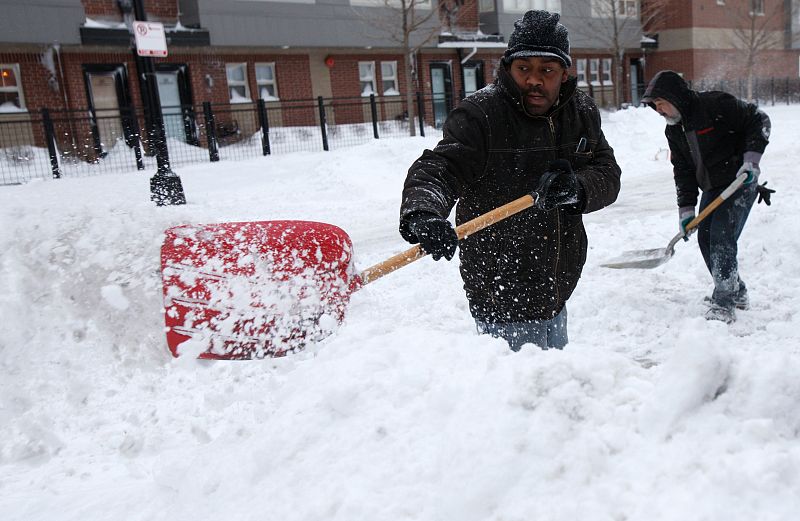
739, 181
463, 231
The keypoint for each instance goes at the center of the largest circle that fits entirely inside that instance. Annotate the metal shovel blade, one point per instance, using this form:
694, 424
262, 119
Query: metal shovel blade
644, 259
640, 259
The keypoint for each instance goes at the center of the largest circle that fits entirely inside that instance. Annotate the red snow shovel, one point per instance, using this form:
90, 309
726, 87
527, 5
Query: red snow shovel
247, 290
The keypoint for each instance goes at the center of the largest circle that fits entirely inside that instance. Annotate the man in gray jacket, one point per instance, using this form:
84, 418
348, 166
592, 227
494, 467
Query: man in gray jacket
713, 137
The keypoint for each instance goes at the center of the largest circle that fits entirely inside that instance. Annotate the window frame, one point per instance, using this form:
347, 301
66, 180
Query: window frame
523, 6
393, 78
262, 82
238, 83
625, 6
363, 79
606, 67
594, 71
757, 7
581, 73
14, 67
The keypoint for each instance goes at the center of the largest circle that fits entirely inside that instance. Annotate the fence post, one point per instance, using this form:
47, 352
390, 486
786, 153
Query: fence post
322, 123
420, 114
772, 90
132, 137
50, 137
264, 122
786, 90
374, 110
211, 132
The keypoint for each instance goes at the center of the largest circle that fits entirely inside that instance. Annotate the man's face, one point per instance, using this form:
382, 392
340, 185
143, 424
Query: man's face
668, 110
539, 79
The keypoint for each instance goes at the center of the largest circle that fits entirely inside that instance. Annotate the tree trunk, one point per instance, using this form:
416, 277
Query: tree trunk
410, 101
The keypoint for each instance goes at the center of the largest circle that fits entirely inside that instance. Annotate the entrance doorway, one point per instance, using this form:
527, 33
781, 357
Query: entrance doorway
472, 72
441, 89
107, 94
176, 101
637, 81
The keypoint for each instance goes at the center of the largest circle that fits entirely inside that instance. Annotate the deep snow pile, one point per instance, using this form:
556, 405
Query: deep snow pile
405, 412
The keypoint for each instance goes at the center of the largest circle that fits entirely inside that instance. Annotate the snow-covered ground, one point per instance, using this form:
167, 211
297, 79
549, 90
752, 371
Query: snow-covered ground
651, 413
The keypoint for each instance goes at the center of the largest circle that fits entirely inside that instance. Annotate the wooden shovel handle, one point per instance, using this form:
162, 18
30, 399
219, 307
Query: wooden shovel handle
465, 230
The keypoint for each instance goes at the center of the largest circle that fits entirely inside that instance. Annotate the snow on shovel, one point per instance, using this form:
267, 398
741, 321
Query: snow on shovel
245, 290
646, 259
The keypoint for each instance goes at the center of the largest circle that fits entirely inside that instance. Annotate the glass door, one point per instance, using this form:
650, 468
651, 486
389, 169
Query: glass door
441, 88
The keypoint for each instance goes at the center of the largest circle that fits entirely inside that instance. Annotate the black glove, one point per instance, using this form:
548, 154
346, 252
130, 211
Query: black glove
764, 193
434, 234
559, 187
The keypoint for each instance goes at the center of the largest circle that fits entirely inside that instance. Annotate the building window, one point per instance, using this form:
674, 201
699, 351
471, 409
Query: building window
606, 9
486, 6
389, 79
627, 7
11, 96
265, 80
393, 4
366, 75
720, 2
580, 66
757, 7
238, 90
607, 71
594, 71
522, 6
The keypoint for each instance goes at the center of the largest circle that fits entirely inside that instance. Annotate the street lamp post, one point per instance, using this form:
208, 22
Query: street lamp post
165, 185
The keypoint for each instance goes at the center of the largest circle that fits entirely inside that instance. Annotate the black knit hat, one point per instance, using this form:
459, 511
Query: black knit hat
538, 33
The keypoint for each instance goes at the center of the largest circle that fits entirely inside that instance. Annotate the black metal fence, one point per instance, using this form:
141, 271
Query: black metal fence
765, 91
70, 143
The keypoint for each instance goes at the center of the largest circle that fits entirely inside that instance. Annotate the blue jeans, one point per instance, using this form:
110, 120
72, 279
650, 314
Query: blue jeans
717, 237
544, 333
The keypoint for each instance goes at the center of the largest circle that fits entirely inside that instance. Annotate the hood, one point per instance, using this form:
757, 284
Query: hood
670, 86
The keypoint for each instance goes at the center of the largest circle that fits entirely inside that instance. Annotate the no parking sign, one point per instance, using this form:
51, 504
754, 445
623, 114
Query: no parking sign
150, 39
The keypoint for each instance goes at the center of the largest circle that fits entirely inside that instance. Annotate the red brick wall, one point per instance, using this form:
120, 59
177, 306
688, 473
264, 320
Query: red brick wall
715, 64
345, 83
156, 10
467, 17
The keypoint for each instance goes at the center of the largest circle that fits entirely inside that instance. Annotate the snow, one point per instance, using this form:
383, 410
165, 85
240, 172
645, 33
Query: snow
405, 412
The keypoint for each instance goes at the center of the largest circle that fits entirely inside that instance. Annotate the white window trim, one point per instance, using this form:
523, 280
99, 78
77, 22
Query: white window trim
389, 3
523, 6
578, 63
18, 89
273, 82
238, 83
760, 12
607, 67
390, 78
600, 9
365, 79
594, 72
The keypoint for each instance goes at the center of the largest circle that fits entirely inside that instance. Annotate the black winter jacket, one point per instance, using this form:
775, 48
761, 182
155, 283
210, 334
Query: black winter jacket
724, 128
492, 152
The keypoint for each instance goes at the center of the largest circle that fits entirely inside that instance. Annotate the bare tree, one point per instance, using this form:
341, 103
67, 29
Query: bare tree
755, 32
411, 24
619, 25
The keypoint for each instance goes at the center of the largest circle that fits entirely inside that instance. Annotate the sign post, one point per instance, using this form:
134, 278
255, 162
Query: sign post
150, 40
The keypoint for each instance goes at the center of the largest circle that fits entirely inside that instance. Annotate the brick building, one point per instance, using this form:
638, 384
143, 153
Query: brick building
75, 57
713, 39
